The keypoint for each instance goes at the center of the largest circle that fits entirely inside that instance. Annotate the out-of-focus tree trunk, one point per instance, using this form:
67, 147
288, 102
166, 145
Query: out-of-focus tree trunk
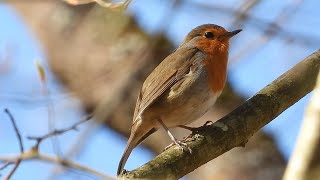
100, 55
305, 160
103, 57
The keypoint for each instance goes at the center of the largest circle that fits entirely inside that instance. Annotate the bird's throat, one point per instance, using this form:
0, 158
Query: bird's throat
216, 66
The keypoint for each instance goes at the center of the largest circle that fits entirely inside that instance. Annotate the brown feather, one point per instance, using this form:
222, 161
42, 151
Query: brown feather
164, 76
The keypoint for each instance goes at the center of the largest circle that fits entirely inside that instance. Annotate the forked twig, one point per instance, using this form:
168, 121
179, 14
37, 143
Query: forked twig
56, 132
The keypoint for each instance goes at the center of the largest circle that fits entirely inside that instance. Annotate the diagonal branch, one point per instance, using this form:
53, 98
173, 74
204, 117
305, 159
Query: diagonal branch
236, 128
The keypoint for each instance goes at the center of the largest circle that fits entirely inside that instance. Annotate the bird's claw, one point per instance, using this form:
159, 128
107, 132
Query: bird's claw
196, 129
182, 145
123, 171
207, 123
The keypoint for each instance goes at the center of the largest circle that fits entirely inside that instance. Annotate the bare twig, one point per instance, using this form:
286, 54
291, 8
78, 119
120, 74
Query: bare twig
75, 149
33, 154
18, 161
15, 129
6, 165
59, 132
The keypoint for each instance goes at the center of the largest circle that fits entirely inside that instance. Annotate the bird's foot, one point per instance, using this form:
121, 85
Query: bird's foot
188, 128
182, 145
123, 172
196, 129
208, 123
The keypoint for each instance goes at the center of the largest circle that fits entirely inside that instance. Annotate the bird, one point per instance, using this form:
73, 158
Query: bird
183, 87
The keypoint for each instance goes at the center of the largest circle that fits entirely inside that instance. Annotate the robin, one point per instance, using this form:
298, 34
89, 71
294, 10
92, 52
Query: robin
183, 87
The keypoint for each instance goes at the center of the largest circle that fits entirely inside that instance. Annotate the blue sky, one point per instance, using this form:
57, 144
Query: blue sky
20, 87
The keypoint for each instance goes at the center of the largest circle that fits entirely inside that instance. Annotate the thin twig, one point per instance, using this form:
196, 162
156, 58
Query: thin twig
75, 149
59, 132
33, 154
6, 165
16, 165
18, 161
15, 129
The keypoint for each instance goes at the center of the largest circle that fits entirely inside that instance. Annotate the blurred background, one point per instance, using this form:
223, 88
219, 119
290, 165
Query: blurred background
96, 59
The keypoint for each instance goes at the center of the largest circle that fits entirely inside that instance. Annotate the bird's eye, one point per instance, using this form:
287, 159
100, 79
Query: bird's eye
208, 35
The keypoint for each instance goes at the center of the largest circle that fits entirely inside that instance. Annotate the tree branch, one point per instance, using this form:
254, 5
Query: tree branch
237, 127
33, 154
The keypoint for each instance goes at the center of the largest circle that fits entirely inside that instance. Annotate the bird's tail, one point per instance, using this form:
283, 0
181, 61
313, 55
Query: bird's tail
130, 145
136, 137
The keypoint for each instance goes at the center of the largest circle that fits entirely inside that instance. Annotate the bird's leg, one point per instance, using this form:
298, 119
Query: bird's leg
180, 144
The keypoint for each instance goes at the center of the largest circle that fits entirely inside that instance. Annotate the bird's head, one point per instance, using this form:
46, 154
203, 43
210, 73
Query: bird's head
210, 38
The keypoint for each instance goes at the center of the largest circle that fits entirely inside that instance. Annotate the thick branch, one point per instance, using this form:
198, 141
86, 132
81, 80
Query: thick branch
237, 127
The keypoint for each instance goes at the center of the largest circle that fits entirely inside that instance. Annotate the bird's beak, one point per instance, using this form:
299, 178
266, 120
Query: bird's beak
230, 34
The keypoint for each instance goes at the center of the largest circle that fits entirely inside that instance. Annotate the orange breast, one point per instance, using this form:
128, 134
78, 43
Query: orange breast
216, 66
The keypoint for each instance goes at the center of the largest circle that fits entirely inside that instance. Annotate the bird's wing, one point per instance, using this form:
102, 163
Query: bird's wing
164, 76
